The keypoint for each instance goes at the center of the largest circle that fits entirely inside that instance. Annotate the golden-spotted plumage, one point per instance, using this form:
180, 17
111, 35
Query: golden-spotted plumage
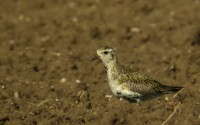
130, 84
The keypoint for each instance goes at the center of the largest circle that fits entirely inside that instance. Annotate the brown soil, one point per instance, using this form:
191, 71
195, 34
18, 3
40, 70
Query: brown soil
47, 76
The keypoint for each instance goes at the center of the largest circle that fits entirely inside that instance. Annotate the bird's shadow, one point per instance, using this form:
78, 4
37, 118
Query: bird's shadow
142, 99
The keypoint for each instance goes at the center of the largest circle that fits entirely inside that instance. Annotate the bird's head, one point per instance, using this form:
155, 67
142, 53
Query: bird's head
107, 55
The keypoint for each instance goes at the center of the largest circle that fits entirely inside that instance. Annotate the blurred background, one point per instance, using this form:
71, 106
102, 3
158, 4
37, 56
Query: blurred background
47, 76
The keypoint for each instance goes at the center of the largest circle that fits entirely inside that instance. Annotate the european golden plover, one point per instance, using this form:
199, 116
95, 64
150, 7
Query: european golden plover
130, 84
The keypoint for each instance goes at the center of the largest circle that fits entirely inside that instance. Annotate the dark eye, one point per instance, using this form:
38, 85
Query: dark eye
105, 52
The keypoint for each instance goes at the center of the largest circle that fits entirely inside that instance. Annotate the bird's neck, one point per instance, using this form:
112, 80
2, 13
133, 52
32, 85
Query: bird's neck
112, 64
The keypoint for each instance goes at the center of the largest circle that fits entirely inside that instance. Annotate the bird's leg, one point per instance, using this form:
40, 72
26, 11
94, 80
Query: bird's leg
138, 100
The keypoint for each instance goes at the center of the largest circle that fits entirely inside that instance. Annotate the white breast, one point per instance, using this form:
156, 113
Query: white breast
113, 82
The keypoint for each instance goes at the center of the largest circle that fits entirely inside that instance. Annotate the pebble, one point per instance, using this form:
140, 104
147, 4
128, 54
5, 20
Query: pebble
22, 17
52, 87
166, 98
27, 82
148, 70
12, 42
72, 4
16, 95
152, 25
56, 54
135, 30
45, 38
75, 20
63, 80
172, 13
108, 96
78, 81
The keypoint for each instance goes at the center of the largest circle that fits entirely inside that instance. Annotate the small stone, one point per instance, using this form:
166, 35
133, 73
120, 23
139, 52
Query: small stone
78, 81
56, 100
63, 80
108, 96
148, 70
172, 68
56, 54
166, 98
122, 120
152, 25
172, 13
45, 38
189, 51
27, 82
21, 17
52, 87
74, 19
72, 4
135, 30
2, 86
12, 42
16, 95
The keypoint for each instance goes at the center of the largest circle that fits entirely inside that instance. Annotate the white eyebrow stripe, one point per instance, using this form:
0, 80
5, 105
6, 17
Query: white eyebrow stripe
110, 50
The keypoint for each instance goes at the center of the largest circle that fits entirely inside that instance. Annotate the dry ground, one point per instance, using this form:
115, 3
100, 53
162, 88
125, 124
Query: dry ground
47, 76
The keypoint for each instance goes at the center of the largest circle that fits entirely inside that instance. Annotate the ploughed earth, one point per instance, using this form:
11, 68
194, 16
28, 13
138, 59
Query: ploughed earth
47, 76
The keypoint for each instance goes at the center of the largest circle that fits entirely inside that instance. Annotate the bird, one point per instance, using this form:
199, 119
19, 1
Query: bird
129, 84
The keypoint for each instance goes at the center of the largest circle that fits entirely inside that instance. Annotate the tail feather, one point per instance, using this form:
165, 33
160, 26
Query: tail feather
173, 89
